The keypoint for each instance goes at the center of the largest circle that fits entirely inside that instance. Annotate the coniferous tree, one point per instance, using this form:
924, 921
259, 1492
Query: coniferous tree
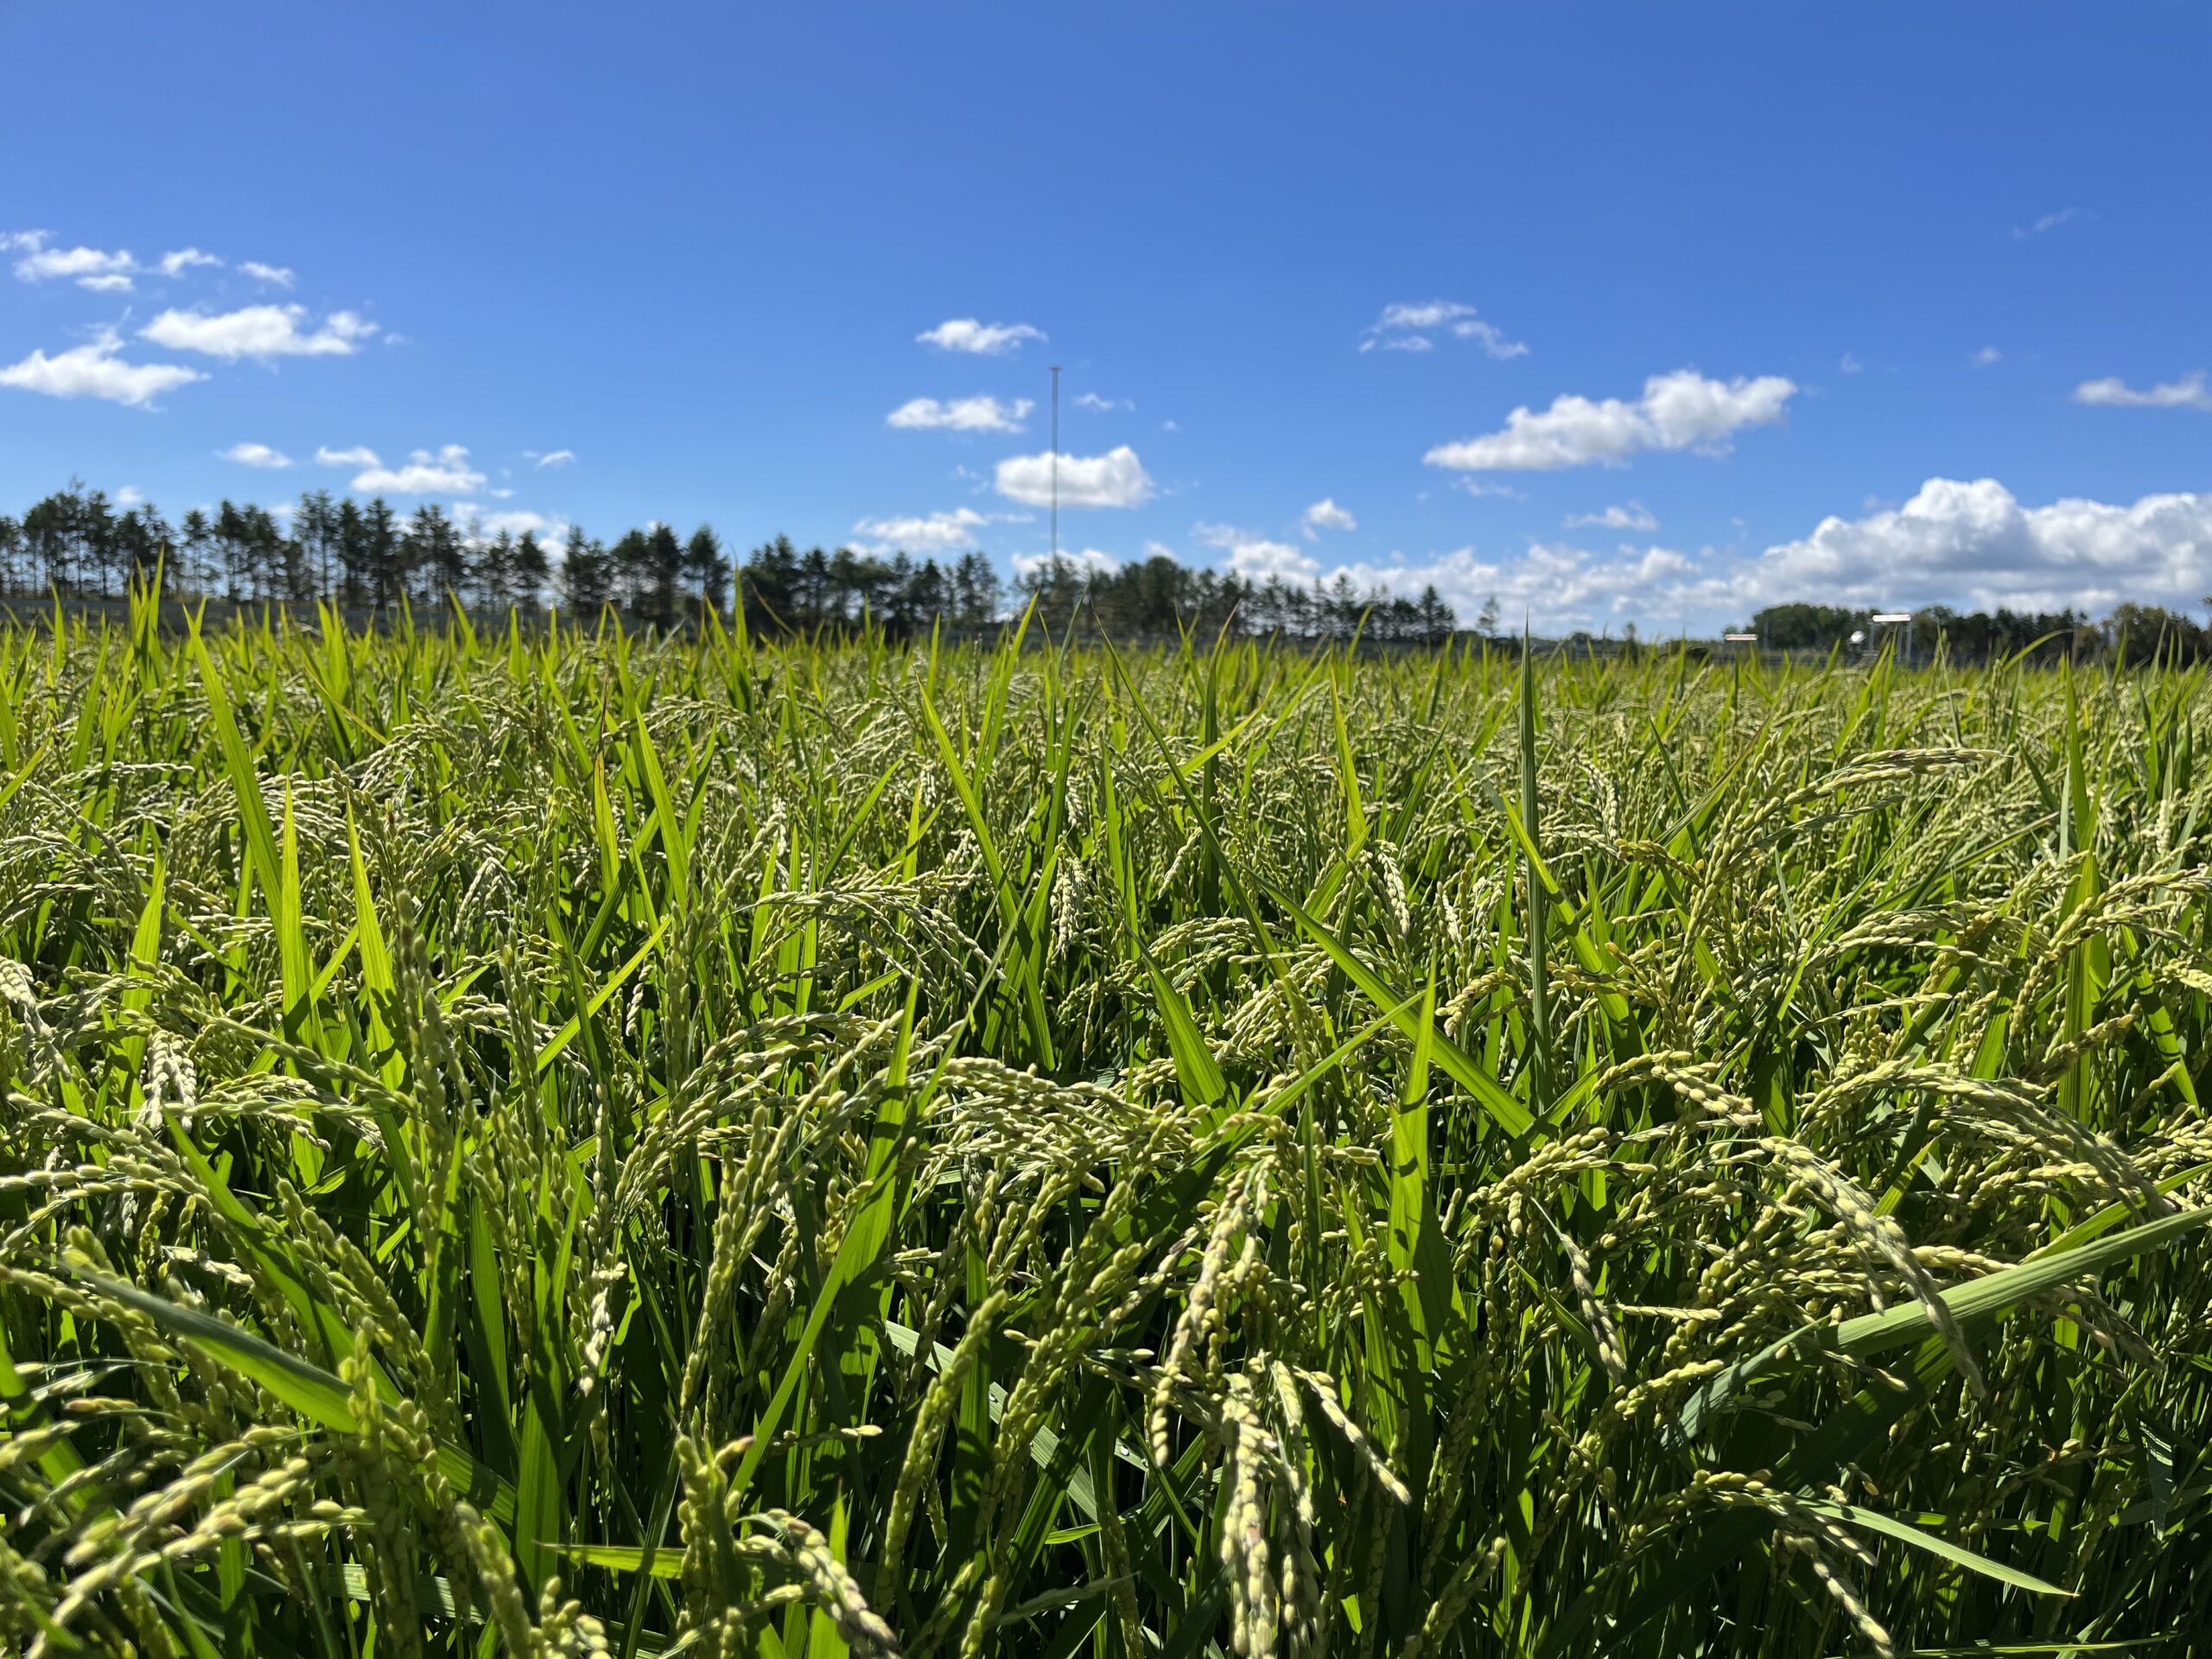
706, 567
528, 573
437, 557
588, 576
768, 587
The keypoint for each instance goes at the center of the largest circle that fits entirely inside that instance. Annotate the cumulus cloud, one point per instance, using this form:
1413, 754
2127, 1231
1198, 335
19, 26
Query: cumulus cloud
183, 260
982, 339
93, 268
1681, 411
360, 455
1325, 514
274, 276
255, 454
557, 458
1413, 328
925, 533
1634, 516
2112, 392
1089, 561
977, 414
258, 331
1972, 545
1116, 479
447, 472
95, 369
552, 531
1558, 587
1255, 557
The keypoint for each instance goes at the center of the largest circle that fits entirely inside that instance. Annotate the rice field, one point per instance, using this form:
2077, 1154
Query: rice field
555, 1142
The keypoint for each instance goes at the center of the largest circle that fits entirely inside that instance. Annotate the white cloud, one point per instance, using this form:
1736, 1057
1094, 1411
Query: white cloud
926, 533
1410, 327
183, 260
1558, 588
258, 331
1986, 356
1681, 411
1480, 488
557, 458
447, 472
1634, 516
961, 415
274, 276
1116, 479
1849, 365
1974, 546
256, 454
1325, 514
1092, 401
1255, 557
128, 496
95, 370
983, 339
2112, 392
360, 455
553, 532
92, 267
2048, 222
1091, 560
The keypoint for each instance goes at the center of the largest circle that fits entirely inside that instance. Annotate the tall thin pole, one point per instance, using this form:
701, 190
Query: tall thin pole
1056, 464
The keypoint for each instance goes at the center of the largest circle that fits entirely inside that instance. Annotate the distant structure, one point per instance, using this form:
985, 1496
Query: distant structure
1056, 465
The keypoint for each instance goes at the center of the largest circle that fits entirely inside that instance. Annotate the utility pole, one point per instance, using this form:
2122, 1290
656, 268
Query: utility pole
1056, 466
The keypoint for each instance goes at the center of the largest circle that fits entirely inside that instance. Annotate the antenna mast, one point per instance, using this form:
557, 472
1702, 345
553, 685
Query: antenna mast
1056, 466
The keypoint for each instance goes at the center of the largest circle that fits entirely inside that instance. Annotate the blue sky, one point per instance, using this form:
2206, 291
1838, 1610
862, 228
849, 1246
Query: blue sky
1879, 303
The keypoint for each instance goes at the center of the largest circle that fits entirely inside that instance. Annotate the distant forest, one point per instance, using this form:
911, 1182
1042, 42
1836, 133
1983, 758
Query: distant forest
2136, 633
369, 557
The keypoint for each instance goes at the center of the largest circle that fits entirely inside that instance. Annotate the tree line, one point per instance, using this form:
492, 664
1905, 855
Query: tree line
2133, 632
367, 556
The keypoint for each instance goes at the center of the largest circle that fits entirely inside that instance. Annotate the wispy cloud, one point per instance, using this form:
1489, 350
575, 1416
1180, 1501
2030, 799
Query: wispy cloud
1092, 401
981, 339
1413, 327
557, 458
258, 331
977, 414
2048, 222
274, 276
1986, 357
1681, 411
1635, 516
95, 369
359, 455
184, 259
2191, 391
256, 454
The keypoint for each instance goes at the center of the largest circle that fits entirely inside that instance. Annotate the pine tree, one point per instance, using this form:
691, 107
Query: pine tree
528, 573
707, 568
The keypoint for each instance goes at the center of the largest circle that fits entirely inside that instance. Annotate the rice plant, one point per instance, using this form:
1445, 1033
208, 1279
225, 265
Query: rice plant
570, 1142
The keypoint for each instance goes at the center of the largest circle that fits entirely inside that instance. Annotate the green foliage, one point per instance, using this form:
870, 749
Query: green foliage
581, 1142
